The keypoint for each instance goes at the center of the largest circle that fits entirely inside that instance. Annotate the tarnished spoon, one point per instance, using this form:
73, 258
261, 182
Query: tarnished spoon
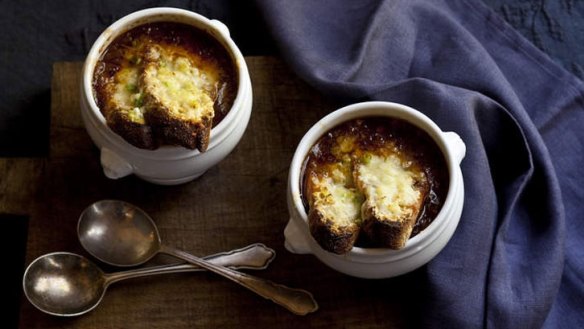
67, 284
129, 236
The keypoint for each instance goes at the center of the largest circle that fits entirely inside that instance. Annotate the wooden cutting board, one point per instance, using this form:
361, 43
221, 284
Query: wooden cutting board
240, 201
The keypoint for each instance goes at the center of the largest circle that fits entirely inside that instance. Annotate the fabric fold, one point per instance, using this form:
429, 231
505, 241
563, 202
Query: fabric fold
464, 67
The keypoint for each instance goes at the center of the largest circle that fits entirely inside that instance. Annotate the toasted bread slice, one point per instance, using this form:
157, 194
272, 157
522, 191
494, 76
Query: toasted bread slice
178, 97
124, 110
334, 217
394, 192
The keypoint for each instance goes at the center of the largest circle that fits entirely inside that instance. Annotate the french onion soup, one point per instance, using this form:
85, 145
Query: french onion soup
372, 182
165, 83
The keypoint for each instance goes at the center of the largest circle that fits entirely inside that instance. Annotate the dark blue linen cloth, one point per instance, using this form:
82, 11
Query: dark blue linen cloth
517, 257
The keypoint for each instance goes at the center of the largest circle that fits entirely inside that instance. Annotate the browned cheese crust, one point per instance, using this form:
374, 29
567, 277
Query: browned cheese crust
331, 234
175, 124
373, 182
165, 84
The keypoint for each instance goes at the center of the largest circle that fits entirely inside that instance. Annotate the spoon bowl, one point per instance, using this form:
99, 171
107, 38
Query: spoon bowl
122, 234
64, 284
118, 233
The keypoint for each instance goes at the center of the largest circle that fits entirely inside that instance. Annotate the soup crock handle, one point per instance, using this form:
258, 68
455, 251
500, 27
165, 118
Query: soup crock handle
114, 166
295, 239
456, 145
221, 27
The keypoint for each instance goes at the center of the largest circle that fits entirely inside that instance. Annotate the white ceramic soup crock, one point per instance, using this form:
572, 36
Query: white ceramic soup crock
378, 262
167, 165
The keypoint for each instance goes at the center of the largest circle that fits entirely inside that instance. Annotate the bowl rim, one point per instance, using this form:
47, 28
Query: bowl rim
164, 14
376, 109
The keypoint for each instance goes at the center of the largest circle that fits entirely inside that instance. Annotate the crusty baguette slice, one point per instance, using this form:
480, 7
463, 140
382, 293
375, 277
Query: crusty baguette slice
394, 195
124, 110
178, 98
334, 212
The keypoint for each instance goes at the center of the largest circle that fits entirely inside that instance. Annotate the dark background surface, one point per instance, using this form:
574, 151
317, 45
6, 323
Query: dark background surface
37, 33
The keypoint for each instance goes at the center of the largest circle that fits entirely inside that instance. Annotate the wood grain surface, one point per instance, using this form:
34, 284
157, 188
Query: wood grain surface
240, 201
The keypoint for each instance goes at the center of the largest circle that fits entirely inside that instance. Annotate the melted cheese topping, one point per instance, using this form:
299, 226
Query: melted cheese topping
127, 96
191, 85
388, 185
382, 174
334, 200
186, 90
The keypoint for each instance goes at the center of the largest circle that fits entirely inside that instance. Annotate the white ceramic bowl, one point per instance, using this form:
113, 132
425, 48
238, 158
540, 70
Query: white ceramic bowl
167, 165
378, 262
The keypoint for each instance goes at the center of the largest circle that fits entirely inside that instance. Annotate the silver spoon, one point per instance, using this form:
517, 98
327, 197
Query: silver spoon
68, 284
120, 233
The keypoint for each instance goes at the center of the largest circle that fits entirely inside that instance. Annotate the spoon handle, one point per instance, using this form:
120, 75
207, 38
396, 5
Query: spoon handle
297, 301
253, 257
256, 256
